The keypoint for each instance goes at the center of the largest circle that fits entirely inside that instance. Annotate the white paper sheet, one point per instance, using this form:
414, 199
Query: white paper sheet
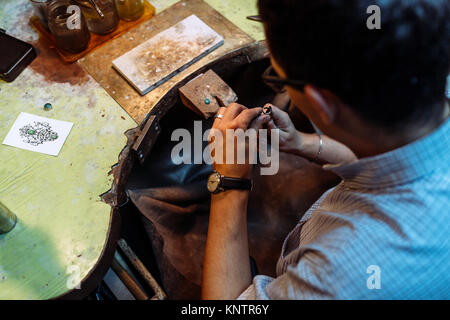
38, 134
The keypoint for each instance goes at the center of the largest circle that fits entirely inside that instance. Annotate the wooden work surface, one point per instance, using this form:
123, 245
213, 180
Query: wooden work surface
99, 62
63, 228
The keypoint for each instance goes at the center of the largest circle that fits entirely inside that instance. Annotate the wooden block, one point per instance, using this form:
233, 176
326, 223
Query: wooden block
203, 88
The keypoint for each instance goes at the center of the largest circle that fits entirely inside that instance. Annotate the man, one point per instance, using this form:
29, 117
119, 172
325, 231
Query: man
384, 231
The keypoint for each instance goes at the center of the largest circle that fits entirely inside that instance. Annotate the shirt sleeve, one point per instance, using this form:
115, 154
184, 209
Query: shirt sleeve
282, 288
256, 291
307, 280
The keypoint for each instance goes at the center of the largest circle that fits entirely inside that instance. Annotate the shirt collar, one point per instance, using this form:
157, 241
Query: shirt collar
401, 165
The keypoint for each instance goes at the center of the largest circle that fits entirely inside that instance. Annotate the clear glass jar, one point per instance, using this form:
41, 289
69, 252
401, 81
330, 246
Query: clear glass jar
8, 219
130, 10
97, 24
68, 28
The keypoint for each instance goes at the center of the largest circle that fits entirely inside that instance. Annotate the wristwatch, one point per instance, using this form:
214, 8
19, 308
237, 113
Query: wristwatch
218, 183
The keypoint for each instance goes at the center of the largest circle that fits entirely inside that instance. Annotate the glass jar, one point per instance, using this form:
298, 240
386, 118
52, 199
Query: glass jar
130, 10
8, 219
68, 28
96, 23
40, 9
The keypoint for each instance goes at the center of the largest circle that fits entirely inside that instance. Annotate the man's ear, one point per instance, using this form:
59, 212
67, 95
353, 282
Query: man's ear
324, 102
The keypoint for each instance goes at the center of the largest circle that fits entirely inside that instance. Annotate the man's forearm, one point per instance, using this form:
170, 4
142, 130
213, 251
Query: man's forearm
226, 267
332, 151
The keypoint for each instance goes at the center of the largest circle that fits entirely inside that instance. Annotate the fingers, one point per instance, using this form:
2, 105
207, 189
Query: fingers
259, 122
271, 125
244, 118
278, 115
217, 120
280, 120
236, 116
229, 114
222, 110
232, 111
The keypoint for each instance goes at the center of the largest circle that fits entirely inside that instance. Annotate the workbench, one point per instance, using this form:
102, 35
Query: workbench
65, 233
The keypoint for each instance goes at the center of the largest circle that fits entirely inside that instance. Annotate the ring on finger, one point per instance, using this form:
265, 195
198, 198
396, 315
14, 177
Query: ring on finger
219, 114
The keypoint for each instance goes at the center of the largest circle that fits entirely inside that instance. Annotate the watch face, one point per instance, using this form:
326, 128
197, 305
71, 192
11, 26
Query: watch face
213, 182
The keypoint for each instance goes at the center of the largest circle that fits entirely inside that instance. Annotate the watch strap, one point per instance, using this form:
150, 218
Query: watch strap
228, 183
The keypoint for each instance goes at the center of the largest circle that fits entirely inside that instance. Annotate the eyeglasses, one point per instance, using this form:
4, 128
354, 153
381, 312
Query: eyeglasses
271, 78
278, 84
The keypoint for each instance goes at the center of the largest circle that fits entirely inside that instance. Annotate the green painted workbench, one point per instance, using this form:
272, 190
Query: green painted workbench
63, 227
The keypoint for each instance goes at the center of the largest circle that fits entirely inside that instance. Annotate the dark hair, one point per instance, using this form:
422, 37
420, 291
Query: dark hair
390, 76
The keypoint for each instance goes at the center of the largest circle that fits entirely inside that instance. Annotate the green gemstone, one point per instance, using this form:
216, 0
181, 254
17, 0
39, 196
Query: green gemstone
48, 106
207, 101
30, 131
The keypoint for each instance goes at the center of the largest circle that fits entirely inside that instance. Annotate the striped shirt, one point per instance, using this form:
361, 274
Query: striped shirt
382, 233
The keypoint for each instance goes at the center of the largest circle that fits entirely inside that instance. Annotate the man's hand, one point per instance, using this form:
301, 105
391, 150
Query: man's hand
235, 117
307, 145
291, 140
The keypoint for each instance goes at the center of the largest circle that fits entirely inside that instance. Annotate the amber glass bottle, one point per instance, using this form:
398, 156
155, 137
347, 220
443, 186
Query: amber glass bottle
130, 10
96, 23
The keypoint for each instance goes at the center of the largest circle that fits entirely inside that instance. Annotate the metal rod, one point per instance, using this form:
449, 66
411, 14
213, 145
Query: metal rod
159, 292
255, 18
94, 4
128, 281
220, 102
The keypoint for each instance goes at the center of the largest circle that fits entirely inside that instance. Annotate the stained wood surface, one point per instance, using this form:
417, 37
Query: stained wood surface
63, 226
